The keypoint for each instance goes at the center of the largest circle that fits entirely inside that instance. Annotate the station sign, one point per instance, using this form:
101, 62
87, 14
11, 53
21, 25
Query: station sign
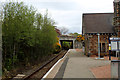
115, 44
115, 39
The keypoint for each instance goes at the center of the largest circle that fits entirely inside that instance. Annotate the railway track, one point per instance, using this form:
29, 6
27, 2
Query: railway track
40, 72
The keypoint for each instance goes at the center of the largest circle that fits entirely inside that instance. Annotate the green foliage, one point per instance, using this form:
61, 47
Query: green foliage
66, 45
27, 35
80, 38
118, 58
58, 49
57, 46
74, 34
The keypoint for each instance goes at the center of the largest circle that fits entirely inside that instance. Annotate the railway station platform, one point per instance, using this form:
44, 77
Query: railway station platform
75, 65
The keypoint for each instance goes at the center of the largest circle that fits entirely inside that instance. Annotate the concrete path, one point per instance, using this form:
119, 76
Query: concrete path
77, 65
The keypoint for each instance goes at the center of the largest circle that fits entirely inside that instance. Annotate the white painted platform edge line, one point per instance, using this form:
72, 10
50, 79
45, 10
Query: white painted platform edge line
66, 53
53, 67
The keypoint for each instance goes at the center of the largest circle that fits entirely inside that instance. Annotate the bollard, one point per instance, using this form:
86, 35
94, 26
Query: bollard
115, 69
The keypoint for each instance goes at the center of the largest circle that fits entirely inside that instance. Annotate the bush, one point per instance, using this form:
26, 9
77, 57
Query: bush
57, 48
66, 45
80, 38
27, 36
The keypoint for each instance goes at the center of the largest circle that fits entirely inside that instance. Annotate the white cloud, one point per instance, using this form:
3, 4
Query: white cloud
69, 12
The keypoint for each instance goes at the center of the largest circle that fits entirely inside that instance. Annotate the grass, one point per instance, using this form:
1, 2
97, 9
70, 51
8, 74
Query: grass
118, 58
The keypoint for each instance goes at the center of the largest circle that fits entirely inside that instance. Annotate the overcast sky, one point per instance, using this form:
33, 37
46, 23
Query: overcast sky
68, 13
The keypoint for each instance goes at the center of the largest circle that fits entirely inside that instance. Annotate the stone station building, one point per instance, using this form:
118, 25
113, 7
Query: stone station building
105, 24
94, 23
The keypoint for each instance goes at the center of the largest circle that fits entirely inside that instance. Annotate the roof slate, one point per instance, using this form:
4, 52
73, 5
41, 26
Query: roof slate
98, 23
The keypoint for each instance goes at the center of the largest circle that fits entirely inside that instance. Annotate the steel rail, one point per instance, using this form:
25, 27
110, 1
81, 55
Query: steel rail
41, 67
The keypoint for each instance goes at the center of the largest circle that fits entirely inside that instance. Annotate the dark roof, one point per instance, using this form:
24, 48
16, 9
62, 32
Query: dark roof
97, 23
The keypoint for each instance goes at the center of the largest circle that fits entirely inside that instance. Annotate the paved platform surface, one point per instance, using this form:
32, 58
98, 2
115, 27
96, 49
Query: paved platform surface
103, 71
76, 65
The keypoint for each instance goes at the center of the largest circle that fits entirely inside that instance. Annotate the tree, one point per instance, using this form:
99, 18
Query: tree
57, 46
27, 35
17, 26
80, 38
74, 34
63, 30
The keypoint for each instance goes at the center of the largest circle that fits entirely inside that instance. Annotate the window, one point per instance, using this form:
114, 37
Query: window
102, 48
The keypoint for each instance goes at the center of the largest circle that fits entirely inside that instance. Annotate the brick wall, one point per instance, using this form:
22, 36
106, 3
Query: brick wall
91, 44
117, 30
117, 17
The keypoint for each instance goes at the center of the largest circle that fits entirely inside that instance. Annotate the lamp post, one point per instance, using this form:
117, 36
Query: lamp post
98, 45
